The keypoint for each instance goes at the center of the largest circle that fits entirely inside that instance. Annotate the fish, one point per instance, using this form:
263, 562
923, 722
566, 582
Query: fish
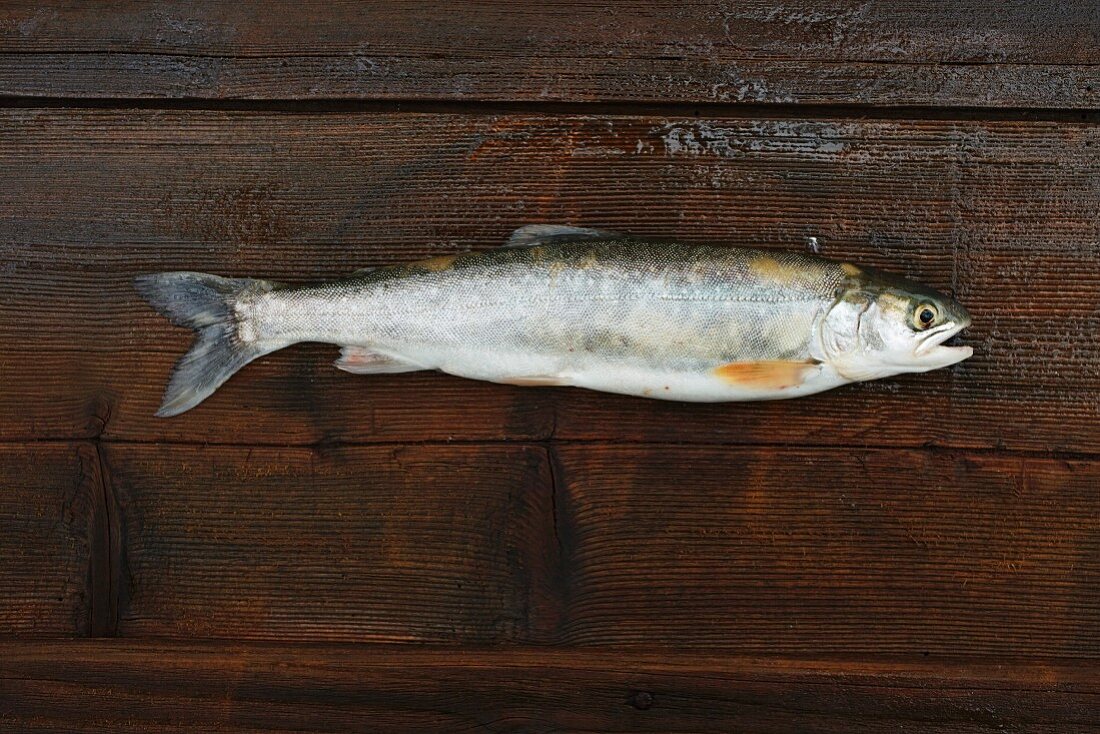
573, 306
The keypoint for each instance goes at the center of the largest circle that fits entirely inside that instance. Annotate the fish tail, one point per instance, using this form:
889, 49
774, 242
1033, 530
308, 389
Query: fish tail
205, 303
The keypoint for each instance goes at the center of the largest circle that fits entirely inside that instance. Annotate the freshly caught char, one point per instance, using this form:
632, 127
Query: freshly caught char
570, 306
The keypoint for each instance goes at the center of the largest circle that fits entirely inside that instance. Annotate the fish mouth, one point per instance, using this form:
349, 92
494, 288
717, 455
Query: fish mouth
933, 352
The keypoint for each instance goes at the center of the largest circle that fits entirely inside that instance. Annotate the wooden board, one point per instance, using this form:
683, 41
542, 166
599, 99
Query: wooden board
802, 552
398, 544
171, 687
999, 212
52, 515
966, 54
755, 551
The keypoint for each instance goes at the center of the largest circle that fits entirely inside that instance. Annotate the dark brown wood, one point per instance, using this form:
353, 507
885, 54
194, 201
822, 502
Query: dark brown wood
804, 552
397, 544
999, 212
757, 551
920, 554
970, 54
160, 687
52, 521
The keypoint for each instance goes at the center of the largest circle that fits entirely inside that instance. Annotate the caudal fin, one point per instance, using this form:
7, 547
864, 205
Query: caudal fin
204, 303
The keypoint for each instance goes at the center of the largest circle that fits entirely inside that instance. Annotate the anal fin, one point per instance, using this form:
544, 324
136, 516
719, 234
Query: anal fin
362, 361
533, 380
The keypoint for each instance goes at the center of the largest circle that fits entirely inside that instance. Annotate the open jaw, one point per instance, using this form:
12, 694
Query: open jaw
931, 351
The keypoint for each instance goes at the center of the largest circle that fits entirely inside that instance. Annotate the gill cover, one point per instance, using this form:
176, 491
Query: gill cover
886, 325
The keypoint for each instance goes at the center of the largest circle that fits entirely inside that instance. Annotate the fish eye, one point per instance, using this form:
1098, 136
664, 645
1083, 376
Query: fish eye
925, 315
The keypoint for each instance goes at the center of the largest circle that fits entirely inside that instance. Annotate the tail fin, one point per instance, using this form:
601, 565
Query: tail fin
204, 303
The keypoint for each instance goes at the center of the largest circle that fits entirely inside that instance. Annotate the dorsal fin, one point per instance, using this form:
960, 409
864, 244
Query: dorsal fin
549, 234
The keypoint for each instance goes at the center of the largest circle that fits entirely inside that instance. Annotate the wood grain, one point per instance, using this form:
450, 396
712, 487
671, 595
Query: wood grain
755, 551
161, 687
51, 521
999, 212
970, 54
803, 552
398, 544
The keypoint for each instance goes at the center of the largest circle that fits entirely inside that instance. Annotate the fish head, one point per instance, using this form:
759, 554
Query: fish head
882, 325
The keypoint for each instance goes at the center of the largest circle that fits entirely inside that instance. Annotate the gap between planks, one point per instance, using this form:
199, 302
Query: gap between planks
547, 442
481, 108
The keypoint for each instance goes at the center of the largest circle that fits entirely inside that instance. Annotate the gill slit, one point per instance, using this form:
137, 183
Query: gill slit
859, 319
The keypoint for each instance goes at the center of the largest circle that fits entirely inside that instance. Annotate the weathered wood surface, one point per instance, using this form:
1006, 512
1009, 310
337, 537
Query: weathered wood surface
171, 687
796, 551
681, 567
52, 515
804, 552
970, 54
398, 544
1002, 213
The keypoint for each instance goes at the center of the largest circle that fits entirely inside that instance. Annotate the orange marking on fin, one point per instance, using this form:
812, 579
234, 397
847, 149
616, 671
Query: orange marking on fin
767, 375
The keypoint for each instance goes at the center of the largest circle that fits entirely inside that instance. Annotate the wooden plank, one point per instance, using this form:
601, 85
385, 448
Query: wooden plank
805, 552
971, 54
409, 544
52, 516
160, 687
1002, 212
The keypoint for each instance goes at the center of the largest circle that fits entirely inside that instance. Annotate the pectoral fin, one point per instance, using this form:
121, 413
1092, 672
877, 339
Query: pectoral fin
362, 361
766, 375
